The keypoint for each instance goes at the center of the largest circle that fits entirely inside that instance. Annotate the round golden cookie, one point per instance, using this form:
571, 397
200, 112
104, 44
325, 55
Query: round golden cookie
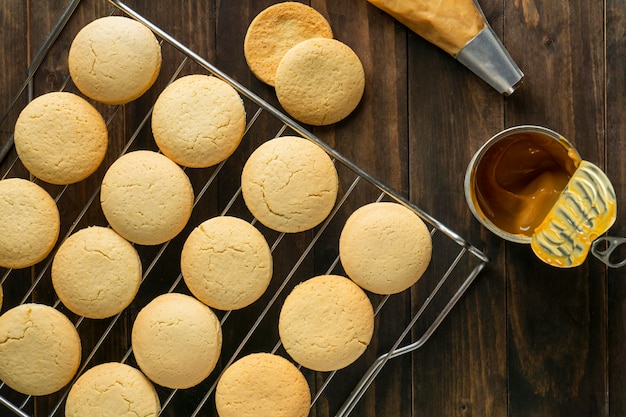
176, 340
114, 59
226, 263
320, 81
146, 197
262, 385
385, 247
326, 323
60, 138
198, 121
276, 30
96, 273
40, 349
29, 223
112, 390
289, 184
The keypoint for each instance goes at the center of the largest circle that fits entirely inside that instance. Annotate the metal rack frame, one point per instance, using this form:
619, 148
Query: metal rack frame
444, 290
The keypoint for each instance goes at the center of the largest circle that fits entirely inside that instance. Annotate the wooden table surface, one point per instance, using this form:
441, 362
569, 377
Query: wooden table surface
526, 339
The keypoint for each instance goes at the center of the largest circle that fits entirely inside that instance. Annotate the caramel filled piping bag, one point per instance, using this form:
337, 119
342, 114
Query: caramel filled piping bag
459, 28
449, 24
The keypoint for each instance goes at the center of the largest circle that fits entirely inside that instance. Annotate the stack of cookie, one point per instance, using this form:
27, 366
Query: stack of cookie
318, 79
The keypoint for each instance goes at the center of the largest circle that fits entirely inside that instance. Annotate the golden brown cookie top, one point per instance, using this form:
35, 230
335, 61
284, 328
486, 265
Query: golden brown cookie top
146, 197
326, 323
289, 184
198, 121
385, 247
29, 223
40, 349
114, 59
320, 81
226, 263
262, 385
176, 340
96, 273
61, 138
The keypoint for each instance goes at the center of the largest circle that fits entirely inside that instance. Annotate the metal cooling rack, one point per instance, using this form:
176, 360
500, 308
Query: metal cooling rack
455, 265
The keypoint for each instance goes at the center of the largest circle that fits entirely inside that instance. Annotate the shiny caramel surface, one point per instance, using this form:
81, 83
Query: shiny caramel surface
519, 179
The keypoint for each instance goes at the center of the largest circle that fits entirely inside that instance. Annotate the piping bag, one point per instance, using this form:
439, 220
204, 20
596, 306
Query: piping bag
459, 28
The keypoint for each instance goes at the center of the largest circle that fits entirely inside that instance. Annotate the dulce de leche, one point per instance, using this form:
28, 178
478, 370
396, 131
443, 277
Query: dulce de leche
519, 179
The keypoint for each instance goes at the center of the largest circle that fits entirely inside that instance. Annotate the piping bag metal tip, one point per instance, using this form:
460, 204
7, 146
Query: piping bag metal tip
486, 56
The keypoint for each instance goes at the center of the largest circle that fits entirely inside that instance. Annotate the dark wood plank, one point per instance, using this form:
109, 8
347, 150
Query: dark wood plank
556, 318
616, 170
375, 137
462, 369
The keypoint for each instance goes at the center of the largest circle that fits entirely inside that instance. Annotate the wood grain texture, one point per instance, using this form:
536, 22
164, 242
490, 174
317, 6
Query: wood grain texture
615, 154
526, 339
556, 318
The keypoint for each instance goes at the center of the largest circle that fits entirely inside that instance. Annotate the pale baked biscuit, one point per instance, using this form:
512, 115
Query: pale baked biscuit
176, 340
40, 349
276, 30
146, 197
29, 223
198, 121
112, 390
114, 59
320, 81
289, 184
326, 323
60, 138
96, 273
226, 263
385, 247
262, 385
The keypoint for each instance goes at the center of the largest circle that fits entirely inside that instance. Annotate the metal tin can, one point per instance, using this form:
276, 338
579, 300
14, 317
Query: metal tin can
527, 184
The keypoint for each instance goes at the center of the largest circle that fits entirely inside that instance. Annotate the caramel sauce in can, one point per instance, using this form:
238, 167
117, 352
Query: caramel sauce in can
528, 184
516, 177
519, 179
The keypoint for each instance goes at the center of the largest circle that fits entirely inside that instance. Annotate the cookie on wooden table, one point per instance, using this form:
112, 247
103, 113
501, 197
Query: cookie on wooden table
262, 385
289, 184
326, 323
198, 121
385, 247
276, 30
320, 81
40, 349
146, 197
114, 59
226, 263
176, 340
110, 390
60, 138
29, 223
96, 273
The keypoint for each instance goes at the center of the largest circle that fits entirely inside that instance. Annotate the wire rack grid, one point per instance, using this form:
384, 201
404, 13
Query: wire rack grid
457, 264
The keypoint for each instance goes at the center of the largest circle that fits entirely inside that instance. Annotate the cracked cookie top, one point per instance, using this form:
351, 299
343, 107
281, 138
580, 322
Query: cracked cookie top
40, 349
289, 184
96, 273
114, 60
326, 323
112, 389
